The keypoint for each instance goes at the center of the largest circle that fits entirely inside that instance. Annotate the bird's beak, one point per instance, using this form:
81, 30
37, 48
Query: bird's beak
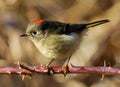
24, 35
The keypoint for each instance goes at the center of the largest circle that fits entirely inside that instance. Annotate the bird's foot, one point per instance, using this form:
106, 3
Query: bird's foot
47, 66
65, 67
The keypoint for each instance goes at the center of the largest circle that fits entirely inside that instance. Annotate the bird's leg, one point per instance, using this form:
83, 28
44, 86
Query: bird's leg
65, 66
47, 65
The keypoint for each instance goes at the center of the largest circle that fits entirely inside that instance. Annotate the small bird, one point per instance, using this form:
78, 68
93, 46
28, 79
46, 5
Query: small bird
57, 40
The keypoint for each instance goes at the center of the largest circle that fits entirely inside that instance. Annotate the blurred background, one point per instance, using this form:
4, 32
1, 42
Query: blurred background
102, 43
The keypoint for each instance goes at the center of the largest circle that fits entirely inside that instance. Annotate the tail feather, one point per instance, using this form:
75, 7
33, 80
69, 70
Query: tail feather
82, 27
96, 23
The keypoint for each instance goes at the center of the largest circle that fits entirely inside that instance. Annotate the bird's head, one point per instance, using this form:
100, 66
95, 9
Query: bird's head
40, 28
35, 30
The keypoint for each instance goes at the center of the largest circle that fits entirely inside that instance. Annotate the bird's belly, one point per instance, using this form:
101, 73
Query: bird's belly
58, 47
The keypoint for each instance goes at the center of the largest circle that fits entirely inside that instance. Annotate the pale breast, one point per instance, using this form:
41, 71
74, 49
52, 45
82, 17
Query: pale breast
58, 46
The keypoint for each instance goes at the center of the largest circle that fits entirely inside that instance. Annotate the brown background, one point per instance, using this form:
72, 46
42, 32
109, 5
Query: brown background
101, 43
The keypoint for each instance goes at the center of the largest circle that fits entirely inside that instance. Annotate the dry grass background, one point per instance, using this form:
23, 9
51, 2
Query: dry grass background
101, 43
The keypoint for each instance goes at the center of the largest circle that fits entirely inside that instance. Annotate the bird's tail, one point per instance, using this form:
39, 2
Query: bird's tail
96, 23
82, 27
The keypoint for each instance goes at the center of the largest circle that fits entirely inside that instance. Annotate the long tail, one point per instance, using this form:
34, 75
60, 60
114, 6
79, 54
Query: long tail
96, 23
82, 27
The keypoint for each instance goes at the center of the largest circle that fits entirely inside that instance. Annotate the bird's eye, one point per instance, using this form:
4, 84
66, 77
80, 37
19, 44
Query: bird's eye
34, 33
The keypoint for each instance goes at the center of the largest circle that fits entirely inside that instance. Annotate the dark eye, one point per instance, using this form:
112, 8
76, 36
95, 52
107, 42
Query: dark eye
34, 33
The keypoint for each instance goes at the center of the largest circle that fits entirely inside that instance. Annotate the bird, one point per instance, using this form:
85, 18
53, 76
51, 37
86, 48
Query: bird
57, 40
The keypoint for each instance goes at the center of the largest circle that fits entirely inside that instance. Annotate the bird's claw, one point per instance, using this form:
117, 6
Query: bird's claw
65, 69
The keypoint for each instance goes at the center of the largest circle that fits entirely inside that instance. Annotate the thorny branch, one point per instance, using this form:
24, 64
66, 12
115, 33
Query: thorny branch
32, 70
